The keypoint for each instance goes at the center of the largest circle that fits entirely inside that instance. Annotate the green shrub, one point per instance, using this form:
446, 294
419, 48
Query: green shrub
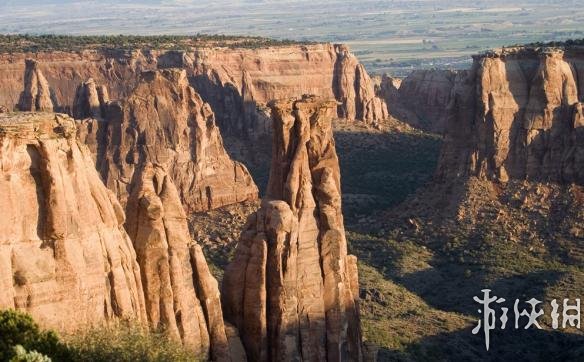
17, 328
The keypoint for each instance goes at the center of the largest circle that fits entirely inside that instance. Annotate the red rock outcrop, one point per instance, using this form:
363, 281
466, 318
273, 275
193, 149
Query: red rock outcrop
421, 99
65, 257
518, 115
165, 122
243, 79
292, 288
181, 295
36, 96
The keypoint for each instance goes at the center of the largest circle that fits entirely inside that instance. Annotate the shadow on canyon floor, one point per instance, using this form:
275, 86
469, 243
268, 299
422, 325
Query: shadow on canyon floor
417, 303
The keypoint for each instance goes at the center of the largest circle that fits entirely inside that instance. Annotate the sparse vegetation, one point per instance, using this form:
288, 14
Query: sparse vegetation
49, 42
126, 342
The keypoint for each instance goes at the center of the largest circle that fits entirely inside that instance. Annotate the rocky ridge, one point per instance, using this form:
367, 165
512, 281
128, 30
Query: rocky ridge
228, 79
292, 288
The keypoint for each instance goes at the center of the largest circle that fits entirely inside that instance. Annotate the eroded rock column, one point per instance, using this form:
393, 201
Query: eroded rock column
292, 288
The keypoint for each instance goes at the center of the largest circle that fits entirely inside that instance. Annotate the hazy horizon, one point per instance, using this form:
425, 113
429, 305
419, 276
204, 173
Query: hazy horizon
386, 35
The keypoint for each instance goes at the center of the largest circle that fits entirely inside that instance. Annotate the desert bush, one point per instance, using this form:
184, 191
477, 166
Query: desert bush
19, 329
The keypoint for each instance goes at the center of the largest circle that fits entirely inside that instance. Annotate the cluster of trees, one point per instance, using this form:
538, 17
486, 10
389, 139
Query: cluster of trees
36, 43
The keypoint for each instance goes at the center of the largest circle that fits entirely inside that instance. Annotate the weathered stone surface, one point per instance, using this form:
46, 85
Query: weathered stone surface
36, 96
421, 99
65, 257
181, 295
517, 115
240, 79
291, 288
165, 122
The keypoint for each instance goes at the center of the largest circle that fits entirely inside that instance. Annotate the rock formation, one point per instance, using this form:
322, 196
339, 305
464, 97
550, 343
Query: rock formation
36, 96
165, 122
518, 115
421, 99
90, 100
292, 289
65, 257
181, 295
242, 80
354, 89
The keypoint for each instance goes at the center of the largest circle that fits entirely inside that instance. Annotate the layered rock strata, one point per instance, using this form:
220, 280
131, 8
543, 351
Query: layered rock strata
518, 115
181, 295
165, 122
65, 257
243, 80
292, 288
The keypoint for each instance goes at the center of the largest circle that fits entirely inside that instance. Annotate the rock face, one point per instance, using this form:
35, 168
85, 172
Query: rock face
421, 99
36, 96
181, 295
242, 80
292, 289
165, 122
65, 257
518, 115
119, 71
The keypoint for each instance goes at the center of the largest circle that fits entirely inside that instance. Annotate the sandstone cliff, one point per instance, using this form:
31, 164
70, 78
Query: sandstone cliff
65, 257
243, 79
292, 289
181, 295
421, 99
518, 115
165, 122
117, 70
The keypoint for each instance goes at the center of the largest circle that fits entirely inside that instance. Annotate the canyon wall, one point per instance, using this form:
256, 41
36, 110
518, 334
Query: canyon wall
292, 289
65, 257
236, 82
246, 79
518, 115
